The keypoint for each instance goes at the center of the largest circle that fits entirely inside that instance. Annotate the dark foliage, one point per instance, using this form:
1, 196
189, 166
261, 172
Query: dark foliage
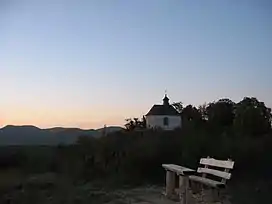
135, 124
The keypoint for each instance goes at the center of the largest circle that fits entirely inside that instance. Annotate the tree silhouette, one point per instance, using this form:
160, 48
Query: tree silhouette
191, 114
178, 106
252, 117
221, 113
135, 123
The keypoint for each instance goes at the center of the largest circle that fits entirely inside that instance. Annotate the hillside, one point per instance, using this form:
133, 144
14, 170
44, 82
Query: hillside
31, 135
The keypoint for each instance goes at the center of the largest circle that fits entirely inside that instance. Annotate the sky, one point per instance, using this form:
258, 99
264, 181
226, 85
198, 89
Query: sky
88, 63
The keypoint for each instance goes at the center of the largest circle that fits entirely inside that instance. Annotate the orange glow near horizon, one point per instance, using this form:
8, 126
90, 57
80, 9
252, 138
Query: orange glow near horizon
93, 118
63, 122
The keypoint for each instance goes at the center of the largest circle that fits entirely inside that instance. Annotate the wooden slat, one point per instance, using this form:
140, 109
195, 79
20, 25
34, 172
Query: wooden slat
223, 180
208, 182
180, 170
217, 163
221, 174
206, 166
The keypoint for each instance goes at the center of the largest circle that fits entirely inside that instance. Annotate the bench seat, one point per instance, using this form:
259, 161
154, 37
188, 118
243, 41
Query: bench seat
208, 182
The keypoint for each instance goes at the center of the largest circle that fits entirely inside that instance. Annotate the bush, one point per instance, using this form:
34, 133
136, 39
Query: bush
139, 155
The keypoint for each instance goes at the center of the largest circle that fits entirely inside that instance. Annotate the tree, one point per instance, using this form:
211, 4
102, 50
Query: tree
203, 111
134, 123
221, 113
130, 124
191, 114
252, 117
143, 122
178, 106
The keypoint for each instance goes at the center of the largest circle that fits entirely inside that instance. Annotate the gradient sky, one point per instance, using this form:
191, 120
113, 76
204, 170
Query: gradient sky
88, 63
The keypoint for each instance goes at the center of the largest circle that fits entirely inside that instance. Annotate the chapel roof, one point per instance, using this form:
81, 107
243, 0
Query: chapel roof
165, 109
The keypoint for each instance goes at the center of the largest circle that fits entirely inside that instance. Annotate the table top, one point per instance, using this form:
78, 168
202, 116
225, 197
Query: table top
180, 170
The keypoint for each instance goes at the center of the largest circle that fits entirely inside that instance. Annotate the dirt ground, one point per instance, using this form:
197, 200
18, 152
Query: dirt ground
66, 193
154, 195
52, 189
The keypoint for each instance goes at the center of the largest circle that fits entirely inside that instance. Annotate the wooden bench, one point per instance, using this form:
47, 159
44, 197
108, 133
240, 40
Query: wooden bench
204, 175
183, 174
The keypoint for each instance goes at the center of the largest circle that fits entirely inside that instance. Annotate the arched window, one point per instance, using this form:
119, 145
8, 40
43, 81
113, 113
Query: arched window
165, 121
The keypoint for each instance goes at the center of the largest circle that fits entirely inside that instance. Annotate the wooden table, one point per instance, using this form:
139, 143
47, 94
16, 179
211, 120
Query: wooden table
171, 171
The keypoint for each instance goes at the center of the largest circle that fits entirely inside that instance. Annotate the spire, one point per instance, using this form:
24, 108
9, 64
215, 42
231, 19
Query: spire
165, 99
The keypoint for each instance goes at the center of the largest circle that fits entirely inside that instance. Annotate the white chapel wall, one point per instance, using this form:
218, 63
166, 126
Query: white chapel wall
157, 121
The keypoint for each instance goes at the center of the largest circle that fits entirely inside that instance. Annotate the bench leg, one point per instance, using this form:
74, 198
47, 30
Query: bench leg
184, 189
170, 183
195, 187
181, 188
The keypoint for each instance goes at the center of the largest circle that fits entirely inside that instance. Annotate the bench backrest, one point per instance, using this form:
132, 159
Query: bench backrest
208, 163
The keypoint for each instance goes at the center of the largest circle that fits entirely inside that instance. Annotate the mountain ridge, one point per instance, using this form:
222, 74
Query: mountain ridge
32, 135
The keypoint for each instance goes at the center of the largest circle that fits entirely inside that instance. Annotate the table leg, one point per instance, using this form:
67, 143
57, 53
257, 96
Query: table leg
185, 191
170, 183
181, 187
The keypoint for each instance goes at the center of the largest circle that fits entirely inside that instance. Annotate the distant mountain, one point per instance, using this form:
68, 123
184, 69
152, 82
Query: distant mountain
31, 135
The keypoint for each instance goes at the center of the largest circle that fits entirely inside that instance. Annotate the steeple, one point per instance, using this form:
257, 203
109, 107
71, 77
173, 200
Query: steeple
165, 100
